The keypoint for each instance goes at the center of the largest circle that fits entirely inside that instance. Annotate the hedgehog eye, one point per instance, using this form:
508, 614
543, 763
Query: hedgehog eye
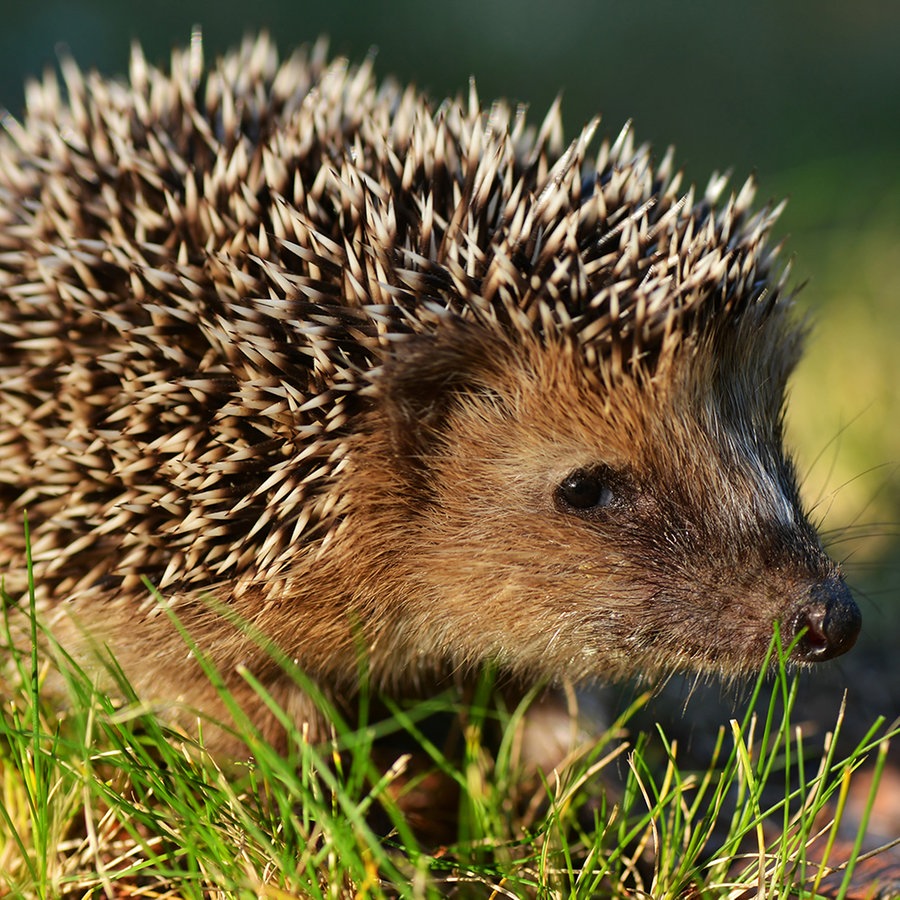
586, 490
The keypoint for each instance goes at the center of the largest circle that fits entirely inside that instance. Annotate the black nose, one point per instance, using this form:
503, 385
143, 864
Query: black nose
831, 620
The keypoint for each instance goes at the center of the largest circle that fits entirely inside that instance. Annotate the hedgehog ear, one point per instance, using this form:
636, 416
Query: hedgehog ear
432, 374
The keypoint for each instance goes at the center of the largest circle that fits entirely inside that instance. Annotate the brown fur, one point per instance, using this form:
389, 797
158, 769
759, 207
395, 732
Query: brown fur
327, 357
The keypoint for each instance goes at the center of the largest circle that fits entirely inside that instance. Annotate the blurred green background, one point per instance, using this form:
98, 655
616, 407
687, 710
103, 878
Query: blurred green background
806, 96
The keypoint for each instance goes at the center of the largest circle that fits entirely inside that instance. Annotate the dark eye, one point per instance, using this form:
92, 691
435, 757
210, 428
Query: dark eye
586, 489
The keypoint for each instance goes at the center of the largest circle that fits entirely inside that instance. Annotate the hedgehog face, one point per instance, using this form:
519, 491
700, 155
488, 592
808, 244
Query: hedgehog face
570, 530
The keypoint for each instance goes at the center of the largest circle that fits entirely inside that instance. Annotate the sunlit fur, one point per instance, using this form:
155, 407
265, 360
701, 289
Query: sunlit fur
316, 348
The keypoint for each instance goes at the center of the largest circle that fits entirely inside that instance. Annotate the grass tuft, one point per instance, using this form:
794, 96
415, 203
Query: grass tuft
100, 798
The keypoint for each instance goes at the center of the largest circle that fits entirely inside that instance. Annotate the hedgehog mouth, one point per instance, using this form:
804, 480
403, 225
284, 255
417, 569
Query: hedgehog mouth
828, 623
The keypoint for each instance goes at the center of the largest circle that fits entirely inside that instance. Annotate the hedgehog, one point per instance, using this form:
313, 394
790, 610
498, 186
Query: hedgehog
349, 374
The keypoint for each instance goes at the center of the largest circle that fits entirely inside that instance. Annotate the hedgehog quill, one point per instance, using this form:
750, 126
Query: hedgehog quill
367, 369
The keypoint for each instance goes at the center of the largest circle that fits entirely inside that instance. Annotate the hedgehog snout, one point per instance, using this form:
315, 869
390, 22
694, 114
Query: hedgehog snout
831, 620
